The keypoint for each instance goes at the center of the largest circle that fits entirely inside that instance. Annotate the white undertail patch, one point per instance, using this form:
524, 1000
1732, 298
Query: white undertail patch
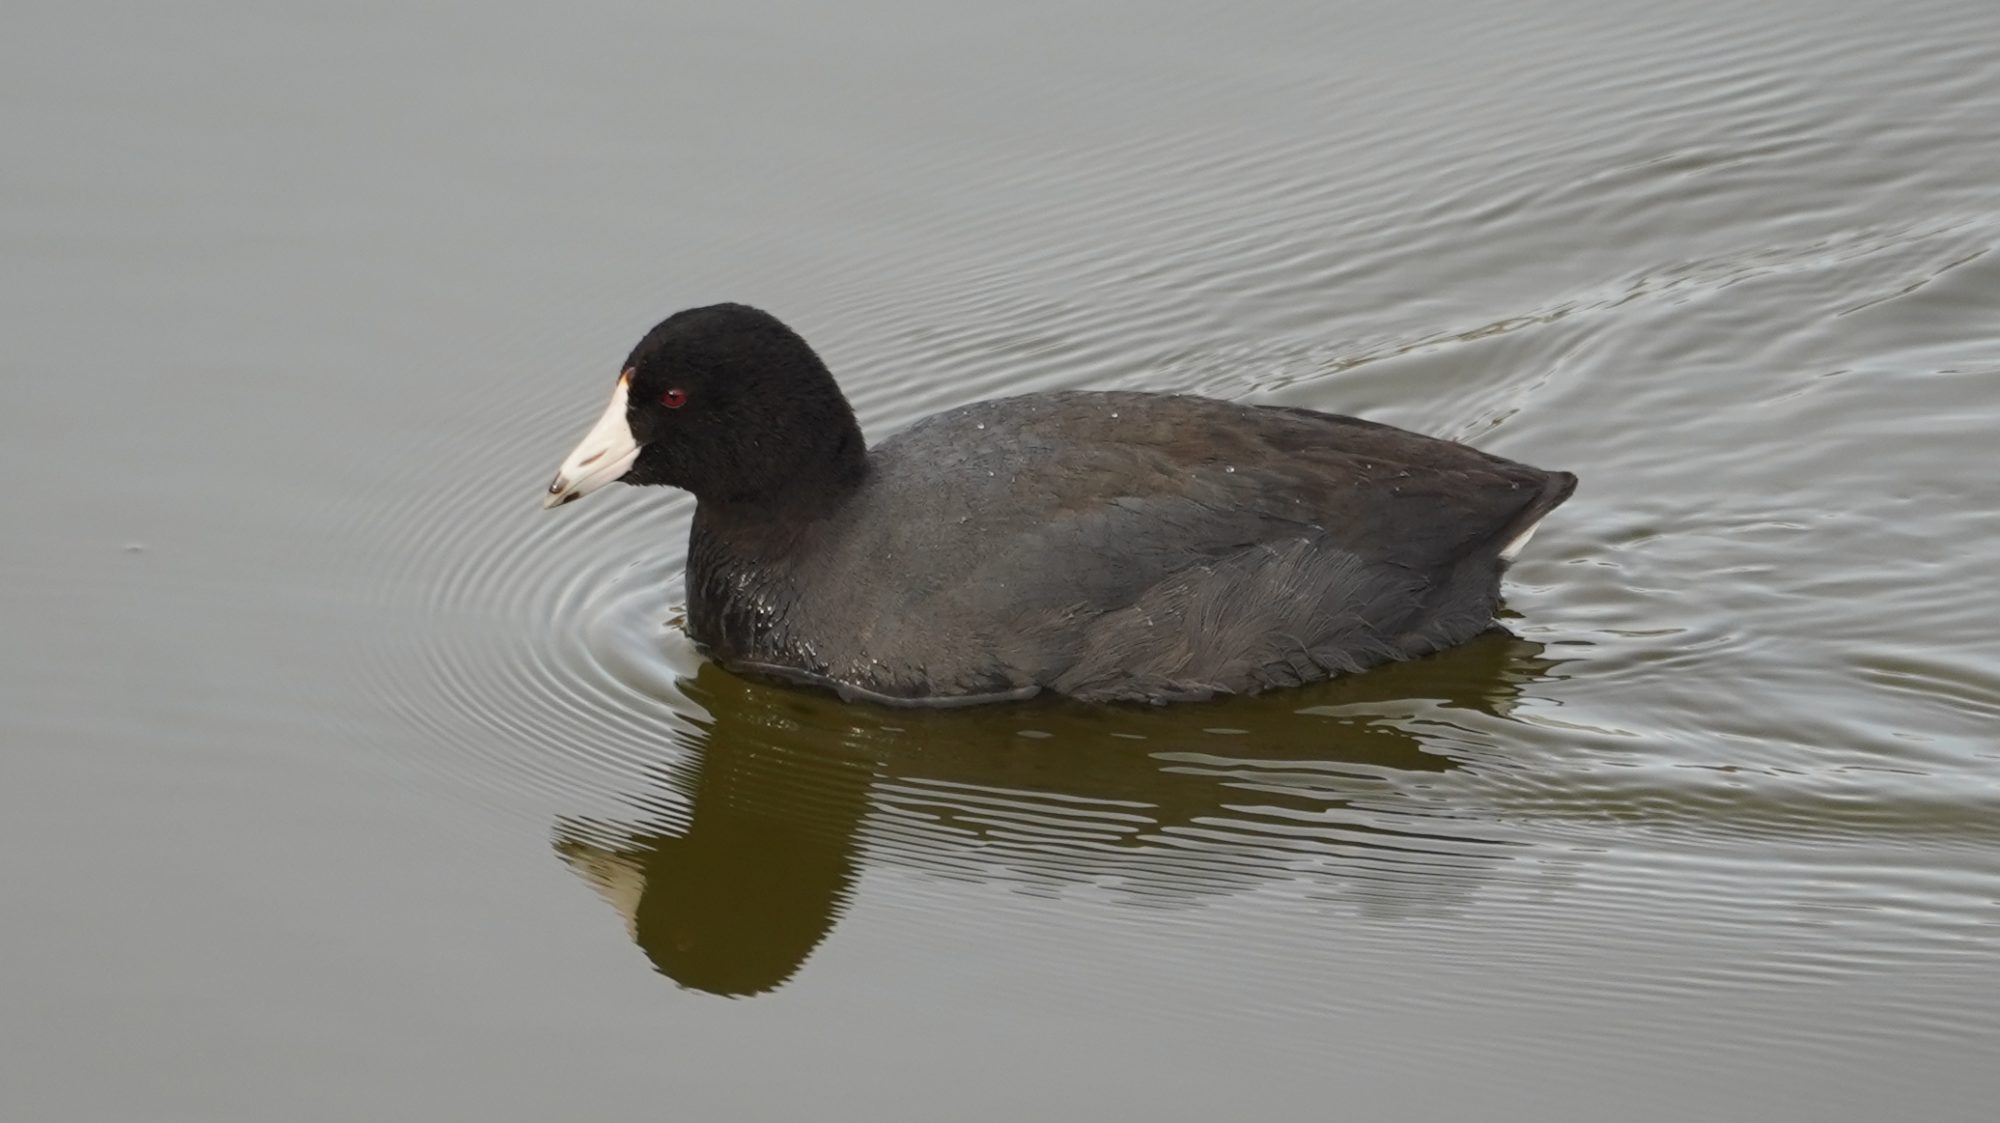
1512, 549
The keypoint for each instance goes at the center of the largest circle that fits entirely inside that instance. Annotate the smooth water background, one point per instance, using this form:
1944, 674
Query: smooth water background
340, 781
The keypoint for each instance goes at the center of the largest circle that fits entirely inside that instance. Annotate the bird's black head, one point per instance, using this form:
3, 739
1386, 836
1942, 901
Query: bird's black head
725, 402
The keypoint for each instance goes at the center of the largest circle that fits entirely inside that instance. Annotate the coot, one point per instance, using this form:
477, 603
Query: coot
1108, 546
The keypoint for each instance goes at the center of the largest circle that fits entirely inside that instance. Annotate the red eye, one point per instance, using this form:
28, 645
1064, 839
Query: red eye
674, 398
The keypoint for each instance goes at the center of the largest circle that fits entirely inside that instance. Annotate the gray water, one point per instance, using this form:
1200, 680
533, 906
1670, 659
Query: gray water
341, 781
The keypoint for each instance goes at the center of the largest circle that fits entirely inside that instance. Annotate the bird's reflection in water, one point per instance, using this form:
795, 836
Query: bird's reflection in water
1321, 786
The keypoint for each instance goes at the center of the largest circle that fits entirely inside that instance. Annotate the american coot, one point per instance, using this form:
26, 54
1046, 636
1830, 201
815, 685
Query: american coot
1108, 546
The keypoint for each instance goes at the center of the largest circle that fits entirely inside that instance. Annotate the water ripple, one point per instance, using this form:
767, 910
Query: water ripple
1752, 692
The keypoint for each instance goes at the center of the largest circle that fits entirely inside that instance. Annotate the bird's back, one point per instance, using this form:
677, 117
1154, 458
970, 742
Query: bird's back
1122, 546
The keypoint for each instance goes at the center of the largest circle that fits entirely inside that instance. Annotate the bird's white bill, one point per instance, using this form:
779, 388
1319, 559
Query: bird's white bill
605, 454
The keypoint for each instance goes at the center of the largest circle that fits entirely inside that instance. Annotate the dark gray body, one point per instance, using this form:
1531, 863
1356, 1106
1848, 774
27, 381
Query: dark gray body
1115, 547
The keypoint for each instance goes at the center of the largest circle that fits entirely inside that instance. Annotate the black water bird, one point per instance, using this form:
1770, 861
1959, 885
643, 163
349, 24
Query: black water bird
1107, 546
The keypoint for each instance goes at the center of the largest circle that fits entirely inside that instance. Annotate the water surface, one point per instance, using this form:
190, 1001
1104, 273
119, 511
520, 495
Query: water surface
341, 781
